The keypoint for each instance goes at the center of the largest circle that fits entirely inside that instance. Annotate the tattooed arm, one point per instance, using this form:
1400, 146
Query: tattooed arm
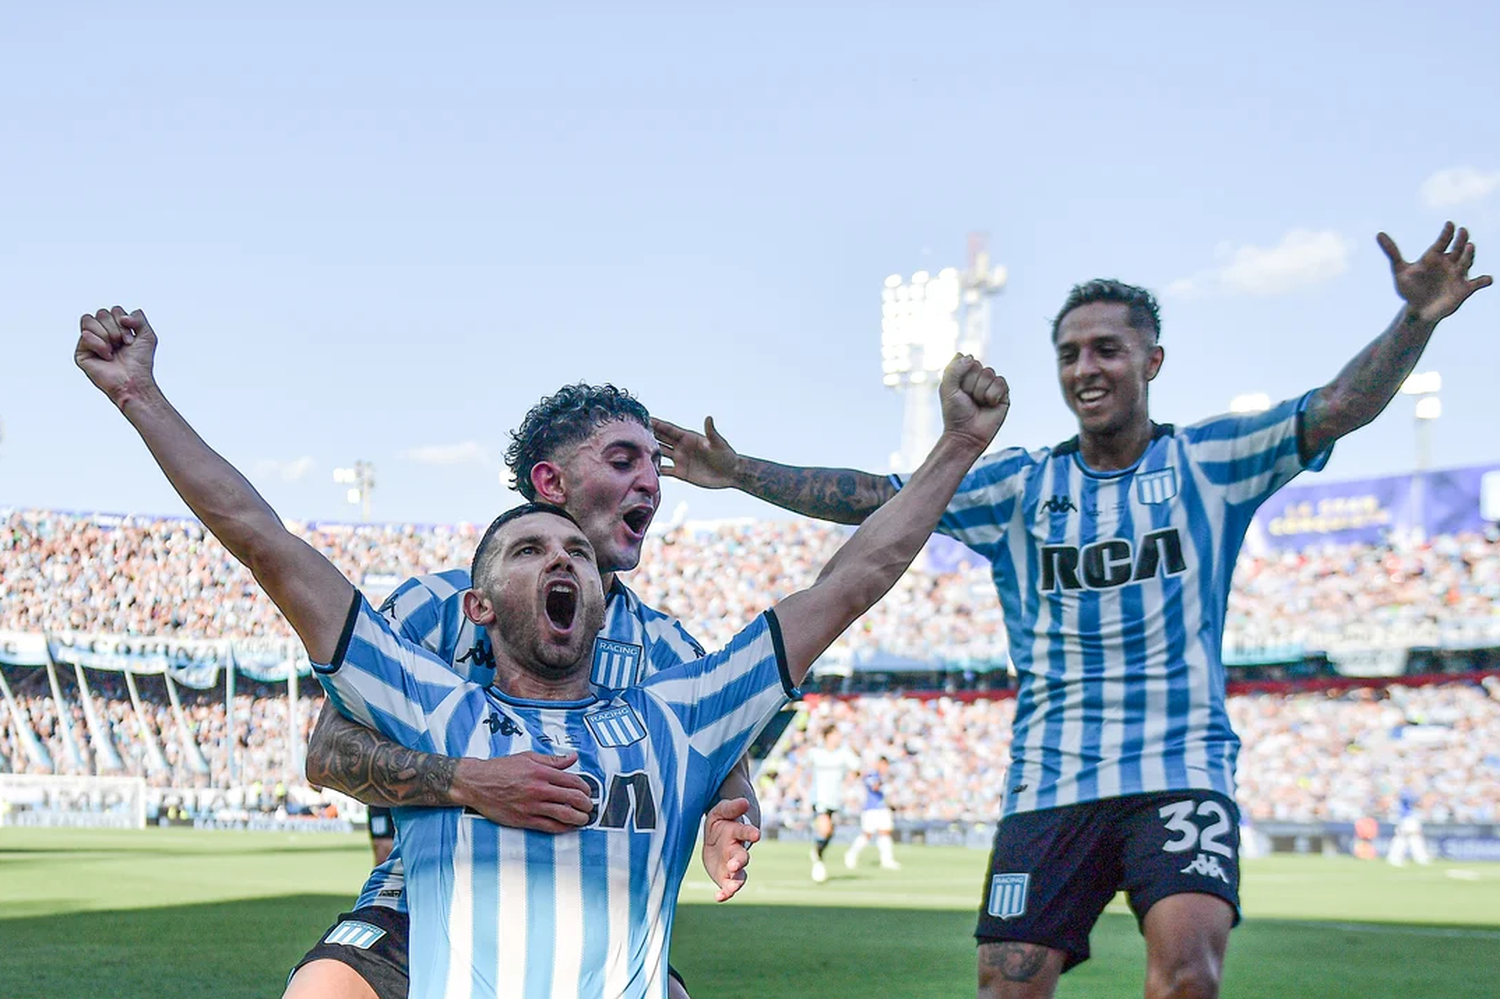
841, 495
1433, 286
525, 791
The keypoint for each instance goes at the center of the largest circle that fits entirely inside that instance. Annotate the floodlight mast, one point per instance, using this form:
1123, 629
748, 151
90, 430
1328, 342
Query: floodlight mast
923, 323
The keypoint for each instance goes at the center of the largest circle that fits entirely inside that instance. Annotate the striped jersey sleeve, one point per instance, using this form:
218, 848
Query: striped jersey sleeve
398, 688
723, 700
1251, 455
429, 611
985, 503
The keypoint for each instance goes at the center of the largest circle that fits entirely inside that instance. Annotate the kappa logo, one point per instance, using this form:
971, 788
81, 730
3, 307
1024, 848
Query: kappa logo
1156, 487
502, 724
1062, 503
1208, 866
1008, 895
480, 655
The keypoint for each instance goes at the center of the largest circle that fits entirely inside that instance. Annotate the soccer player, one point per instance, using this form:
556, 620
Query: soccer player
589, 450
1112, 556
502, 910
1408, 837
876, 820
832, 762
382, 834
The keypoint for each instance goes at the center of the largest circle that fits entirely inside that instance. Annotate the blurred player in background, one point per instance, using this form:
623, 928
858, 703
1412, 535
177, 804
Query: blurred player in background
875, 819
1408, 837
832, 763
1112, 556
382, 833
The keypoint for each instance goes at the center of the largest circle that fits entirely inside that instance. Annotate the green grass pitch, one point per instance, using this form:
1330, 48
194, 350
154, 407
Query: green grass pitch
223, 914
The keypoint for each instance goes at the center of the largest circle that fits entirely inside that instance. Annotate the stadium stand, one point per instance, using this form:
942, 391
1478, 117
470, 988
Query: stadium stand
159, 585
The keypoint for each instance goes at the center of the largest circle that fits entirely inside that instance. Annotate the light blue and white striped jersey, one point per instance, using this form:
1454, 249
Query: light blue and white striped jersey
1114, 587
635, 642
588, 914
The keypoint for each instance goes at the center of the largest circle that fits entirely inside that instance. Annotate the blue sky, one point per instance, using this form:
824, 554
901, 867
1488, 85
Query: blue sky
372, 232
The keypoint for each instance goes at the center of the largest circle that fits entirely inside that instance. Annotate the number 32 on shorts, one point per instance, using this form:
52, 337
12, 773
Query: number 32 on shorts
1178, 821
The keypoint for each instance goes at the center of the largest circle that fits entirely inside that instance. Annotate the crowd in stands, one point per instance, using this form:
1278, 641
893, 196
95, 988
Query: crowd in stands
165, 577
1306, 756
193, 749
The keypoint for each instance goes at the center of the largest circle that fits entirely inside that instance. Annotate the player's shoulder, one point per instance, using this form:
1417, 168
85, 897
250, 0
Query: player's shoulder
1230, 426
656, 624
432, 587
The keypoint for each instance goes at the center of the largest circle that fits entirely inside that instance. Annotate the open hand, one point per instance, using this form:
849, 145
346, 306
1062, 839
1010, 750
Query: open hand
704, 459
117, 352
1436, 283
975, 400
726, 846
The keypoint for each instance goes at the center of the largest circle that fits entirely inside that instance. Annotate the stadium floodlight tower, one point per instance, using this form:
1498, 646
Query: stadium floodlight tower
361, 482
923, 323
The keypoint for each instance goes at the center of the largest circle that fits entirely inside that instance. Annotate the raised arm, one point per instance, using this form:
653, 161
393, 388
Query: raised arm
841, 495
1433, 287
117, 352
975, 402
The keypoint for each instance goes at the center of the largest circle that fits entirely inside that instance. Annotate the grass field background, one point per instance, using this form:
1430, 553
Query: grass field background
127, 915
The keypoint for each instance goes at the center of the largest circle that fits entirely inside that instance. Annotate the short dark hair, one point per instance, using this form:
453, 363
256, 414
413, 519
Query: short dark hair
562, 419
482, 552
1145, 314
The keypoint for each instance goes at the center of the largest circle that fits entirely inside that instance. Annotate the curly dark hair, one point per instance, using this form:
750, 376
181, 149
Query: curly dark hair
1145, 314
563, 419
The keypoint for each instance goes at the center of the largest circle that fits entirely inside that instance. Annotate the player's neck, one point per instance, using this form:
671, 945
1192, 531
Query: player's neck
1114, 450
516, 680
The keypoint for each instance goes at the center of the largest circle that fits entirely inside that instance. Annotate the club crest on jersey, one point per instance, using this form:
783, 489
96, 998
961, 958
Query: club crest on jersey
353, 933
615, 727
1008, 895
617, 665
1156, 487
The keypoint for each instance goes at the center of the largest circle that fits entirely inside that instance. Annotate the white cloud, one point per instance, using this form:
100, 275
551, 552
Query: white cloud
1458, 186
288, 471
1302, 259
449, 454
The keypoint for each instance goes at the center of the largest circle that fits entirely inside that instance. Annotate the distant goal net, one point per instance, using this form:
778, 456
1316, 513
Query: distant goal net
76, 802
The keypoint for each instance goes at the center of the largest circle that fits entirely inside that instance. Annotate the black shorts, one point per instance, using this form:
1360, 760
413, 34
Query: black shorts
373, 941
382, 826
1053, 871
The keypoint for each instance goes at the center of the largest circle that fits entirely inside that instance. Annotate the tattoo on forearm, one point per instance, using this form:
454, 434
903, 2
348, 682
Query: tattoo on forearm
841, 495
352, 759
1366, 384
1016, 962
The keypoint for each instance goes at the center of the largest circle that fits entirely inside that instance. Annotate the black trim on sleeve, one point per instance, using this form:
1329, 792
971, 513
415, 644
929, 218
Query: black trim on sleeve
344, 637
787, 685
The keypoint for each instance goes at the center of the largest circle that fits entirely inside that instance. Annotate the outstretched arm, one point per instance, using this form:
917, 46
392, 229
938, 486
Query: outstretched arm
841, 495
1433, 287
975, 401
524, 791
117, 353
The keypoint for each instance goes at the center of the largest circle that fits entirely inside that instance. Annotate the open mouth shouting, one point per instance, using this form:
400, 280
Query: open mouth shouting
637, 519
560, 600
